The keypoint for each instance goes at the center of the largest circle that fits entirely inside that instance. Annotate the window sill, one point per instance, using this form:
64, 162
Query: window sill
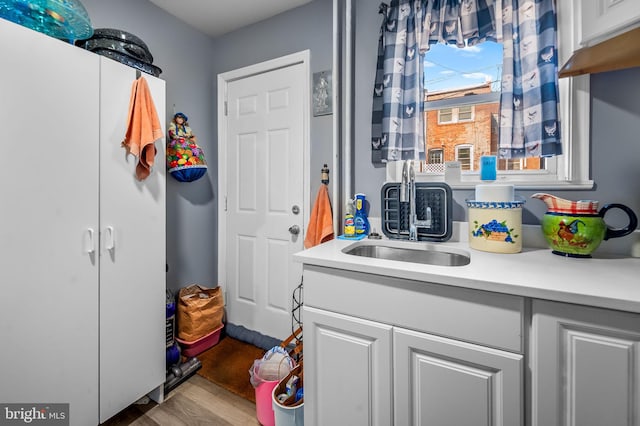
528, 186
541, 185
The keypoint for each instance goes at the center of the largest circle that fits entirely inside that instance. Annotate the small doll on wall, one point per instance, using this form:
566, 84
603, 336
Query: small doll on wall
185, 159
179, 128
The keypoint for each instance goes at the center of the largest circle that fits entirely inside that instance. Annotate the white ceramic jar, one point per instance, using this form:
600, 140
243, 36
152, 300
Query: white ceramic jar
495, 226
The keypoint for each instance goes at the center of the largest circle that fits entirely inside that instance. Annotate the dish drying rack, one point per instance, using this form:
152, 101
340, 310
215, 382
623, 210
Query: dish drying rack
435, 196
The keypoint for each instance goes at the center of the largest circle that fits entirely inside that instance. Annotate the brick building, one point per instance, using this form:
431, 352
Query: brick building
462, 125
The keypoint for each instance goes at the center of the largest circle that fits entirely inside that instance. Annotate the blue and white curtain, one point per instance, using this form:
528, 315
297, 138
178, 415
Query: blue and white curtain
529, 124
529, 120
397, 122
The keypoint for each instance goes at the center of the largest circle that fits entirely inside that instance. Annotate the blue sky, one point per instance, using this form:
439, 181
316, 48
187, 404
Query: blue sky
448, 67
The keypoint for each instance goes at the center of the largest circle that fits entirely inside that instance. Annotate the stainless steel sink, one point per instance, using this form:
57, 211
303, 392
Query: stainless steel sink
430, 254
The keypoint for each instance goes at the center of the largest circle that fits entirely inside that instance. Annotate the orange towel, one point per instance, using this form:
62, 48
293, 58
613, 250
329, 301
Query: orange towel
143, 128
320, 227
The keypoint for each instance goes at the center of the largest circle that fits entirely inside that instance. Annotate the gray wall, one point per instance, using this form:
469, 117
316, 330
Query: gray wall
191, 61
615, 133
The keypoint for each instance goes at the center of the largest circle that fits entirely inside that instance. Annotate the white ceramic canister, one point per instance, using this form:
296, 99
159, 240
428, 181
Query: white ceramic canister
494, 192
495, 226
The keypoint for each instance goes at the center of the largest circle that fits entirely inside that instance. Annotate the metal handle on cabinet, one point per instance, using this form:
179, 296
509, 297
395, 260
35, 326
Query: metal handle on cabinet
295, 229
89, 242
110, 238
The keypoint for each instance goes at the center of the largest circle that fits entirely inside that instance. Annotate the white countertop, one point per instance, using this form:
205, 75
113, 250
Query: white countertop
603, 281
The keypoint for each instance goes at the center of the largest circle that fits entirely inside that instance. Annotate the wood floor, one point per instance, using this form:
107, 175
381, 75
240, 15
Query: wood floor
195, 402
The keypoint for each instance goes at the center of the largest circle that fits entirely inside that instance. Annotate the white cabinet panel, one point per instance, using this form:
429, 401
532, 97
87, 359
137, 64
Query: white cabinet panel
439, 381
585, 366
347, 370
489, 319
132, 273
602, 19
49, 212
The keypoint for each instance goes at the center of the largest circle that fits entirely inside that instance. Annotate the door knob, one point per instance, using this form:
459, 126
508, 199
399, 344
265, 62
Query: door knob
295, 229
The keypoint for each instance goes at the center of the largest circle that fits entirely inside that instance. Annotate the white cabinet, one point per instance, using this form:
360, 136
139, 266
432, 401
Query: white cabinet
82, 242
603, 19
133, 273
585, 366
440, 381
347, 370
386, 351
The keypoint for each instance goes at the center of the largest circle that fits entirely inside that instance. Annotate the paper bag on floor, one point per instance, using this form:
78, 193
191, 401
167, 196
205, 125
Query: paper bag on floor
200, 311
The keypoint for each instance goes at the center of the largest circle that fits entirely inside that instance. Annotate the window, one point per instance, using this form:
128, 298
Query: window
455, 115
462, 85
435, 156
464, 154
465, 113
445, 115
569, 171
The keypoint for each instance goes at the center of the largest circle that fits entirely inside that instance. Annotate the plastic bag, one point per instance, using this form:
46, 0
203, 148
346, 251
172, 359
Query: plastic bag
273, 366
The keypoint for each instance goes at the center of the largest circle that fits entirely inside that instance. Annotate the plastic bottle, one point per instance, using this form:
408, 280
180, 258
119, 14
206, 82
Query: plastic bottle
361, 220
349, 221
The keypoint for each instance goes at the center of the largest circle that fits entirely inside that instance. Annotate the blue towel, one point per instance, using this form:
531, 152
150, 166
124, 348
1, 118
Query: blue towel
354, 238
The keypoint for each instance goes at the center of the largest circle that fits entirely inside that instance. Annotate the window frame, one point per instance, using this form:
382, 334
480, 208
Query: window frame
472, 113
440, 121
570, 170
461, 146
455, 112
440, 153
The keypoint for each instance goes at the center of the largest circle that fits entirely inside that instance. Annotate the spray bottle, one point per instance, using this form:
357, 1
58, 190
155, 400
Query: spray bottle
349, 221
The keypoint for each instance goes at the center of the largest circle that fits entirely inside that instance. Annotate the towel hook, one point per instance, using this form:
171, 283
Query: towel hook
324, 174
138, 74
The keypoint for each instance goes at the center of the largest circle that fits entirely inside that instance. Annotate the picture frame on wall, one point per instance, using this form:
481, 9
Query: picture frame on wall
322, 93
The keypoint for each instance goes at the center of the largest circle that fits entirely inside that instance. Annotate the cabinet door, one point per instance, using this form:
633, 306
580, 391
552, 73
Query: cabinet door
347, 370
132, 251
444, 382
49, 212
602, 19
585, 366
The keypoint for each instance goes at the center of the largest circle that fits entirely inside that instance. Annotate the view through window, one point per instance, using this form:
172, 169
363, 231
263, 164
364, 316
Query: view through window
462, 107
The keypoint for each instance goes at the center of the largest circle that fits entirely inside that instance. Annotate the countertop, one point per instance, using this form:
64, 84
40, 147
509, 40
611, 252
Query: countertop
606, 281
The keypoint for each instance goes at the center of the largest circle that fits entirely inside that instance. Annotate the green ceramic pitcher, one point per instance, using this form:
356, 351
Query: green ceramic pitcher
576, 228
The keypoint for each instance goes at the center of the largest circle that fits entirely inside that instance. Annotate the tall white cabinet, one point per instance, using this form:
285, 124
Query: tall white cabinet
82, 241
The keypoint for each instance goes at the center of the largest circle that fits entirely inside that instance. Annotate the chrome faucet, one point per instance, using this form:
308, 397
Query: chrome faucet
408, 194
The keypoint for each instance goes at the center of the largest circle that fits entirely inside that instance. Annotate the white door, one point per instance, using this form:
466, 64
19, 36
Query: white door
262, 166
132, 251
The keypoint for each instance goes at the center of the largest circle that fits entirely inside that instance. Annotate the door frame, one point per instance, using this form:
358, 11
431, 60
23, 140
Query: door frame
302, 57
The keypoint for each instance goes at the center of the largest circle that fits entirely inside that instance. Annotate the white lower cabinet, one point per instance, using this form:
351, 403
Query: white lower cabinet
381, 350
377, 367
347, 370
360, 372
440, 382
585, 366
